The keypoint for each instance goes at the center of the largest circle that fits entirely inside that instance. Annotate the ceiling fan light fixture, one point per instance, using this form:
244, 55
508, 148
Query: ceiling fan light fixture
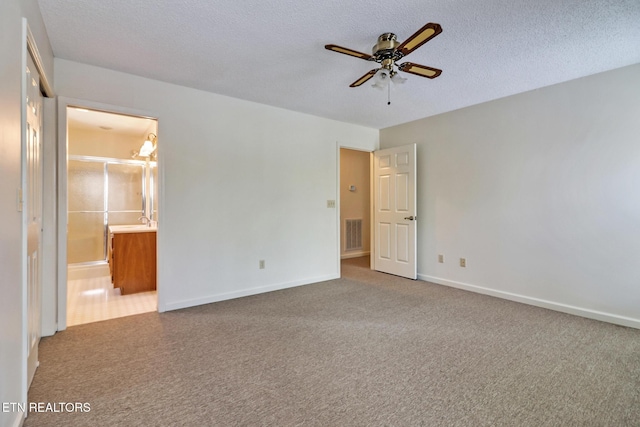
381, 79
384, 76
397, 79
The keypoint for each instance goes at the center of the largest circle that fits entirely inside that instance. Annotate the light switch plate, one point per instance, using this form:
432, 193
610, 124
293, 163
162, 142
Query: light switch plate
331, 203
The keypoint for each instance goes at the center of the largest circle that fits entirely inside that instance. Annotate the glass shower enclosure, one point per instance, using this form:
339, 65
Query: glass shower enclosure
103, 192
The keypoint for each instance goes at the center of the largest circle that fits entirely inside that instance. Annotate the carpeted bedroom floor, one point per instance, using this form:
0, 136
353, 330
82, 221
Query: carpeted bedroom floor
369, 349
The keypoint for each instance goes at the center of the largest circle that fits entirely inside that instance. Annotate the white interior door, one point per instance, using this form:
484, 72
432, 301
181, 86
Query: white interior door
395, 211
32, 170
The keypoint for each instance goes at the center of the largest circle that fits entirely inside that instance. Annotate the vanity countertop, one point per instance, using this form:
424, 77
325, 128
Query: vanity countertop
135, 228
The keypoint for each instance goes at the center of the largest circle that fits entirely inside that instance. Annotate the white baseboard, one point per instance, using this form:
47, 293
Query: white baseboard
245, 292
355, 254
18, 421
551, 305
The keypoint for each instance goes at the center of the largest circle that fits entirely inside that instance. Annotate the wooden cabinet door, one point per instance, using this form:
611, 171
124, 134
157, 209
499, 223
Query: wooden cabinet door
134, 262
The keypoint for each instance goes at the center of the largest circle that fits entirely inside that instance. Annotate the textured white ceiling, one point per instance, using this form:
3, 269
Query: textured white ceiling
272, 52
109, 122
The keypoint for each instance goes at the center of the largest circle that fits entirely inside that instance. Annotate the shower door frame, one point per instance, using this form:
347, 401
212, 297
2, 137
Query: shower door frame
106, 161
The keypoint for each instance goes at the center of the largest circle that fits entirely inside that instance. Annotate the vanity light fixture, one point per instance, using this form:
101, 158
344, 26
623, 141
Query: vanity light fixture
149, 146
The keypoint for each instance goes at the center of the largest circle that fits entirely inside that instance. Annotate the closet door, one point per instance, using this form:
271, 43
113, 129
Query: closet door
32, 173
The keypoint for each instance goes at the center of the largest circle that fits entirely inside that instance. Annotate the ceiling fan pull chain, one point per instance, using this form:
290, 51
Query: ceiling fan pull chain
388, 93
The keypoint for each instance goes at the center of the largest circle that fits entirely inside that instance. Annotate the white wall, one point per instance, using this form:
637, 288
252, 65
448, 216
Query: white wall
12, 339
539, 192
240, 182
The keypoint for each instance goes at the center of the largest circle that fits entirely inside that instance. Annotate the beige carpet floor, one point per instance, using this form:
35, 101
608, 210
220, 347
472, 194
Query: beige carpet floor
369, 349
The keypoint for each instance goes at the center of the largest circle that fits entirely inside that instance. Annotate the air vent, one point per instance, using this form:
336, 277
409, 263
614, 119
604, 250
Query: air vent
353, 234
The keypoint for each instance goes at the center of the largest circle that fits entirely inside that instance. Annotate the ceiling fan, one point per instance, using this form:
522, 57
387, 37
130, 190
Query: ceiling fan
388, 50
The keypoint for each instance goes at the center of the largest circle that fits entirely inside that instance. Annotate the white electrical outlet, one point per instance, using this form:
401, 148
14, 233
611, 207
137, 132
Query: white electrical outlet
261, 264
463, 262
441, 258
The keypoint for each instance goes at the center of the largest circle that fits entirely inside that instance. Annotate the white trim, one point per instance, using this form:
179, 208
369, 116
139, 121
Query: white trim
372, 211
338, 224
62, 215
551, 305
19, 419
49, 304
63, 103
246, 292
355, 254
37, 60
24, 386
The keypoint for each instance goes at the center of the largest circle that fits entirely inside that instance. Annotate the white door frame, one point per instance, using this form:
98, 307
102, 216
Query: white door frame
63, 143
340, 145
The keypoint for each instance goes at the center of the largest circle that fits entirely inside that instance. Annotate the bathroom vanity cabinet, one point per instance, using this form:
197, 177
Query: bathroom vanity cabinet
132, 258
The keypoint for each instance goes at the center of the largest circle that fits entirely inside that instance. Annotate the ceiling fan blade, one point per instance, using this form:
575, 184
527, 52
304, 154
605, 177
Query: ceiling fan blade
421, 36
420, 70
364, 78
348, 51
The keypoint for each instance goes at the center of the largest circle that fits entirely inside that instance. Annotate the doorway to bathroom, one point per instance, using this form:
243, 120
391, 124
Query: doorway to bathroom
355, 204
112, 196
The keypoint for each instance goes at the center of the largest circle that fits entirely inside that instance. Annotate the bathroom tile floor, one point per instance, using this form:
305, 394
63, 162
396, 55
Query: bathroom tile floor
92, 299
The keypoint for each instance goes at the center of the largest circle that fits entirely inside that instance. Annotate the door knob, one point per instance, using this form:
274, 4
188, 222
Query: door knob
411, 218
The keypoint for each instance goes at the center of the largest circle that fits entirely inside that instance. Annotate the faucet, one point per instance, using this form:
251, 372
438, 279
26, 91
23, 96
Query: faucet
145, 220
